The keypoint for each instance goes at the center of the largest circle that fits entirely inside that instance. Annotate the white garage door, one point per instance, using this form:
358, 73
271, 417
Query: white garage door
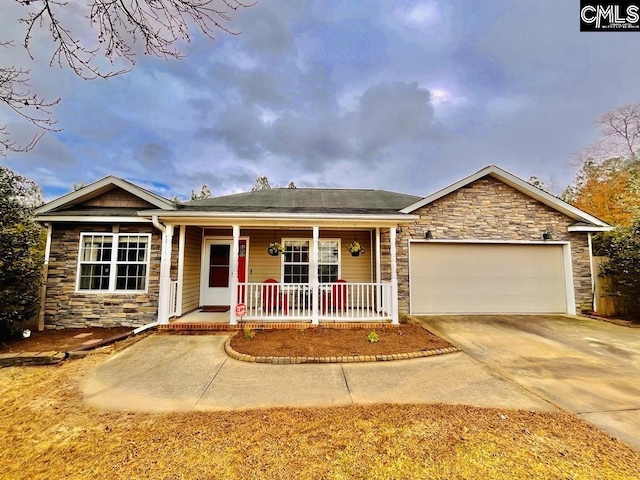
487, 278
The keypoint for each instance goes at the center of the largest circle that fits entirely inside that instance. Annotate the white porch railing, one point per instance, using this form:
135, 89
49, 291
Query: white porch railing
355, 301
337, 301
276, 301
173, 298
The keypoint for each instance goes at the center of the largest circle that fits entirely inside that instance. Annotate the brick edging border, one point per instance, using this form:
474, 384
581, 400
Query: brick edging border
243, 357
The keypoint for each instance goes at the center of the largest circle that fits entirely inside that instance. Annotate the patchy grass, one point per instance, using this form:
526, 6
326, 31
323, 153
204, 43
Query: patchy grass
48, 433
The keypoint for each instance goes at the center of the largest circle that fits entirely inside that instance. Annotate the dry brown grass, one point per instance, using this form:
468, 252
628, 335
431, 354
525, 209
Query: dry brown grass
47, 432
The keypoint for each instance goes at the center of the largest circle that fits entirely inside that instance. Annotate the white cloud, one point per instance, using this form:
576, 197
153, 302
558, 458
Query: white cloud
421, 15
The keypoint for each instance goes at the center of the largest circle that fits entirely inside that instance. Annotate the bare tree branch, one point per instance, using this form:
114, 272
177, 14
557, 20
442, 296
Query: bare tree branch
15, 93
619, 135
621, 127
120, 24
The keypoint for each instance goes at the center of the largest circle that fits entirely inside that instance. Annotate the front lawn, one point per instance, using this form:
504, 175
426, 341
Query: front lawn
47, 433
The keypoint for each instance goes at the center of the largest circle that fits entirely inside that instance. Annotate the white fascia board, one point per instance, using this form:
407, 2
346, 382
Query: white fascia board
588, 228
177, 216
490, 241
518, 184
76, 196
87, 219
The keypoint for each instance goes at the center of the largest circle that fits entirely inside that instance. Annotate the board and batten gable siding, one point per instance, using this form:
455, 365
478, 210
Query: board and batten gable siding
117, 197
192, 269
64, 307
262, 266
488, 209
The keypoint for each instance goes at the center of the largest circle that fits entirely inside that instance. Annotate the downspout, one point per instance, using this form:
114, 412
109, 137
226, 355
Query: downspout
45, 275
165, 267
110, 340
158, 225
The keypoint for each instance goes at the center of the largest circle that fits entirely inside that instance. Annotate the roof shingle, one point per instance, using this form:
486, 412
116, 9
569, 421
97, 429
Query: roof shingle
306, 200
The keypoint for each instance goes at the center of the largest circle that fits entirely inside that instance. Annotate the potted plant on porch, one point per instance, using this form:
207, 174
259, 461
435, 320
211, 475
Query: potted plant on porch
355, 248
274, 249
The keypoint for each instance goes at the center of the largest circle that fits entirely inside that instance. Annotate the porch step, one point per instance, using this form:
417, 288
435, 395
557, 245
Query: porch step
225, 327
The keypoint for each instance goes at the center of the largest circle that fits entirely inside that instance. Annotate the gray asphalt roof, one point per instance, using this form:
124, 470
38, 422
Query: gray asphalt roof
306, 200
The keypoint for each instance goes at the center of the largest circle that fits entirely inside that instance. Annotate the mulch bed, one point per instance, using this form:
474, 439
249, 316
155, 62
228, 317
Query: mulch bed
328, 342
58, 340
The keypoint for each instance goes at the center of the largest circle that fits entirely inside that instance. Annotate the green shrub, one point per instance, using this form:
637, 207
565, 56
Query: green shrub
248, 333
21, 251
373, 337
622, 246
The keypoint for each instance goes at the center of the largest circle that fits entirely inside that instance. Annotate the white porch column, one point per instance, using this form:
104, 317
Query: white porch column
165, 275
181, 242
394, 277
234, 274
315, 286
378, 270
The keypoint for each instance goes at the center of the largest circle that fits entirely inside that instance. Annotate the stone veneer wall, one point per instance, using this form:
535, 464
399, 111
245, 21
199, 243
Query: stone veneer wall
488, 209
65, 308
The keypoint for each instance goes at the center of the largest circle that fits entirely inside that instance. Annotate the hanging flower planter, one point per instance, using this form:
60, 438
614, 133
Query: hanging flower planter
355, 248
274, 249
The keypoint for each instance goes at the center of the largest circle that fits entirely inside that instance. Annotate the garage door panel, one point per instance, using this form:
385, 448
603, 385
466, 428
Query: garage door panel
482, 303
499, 285
487, 278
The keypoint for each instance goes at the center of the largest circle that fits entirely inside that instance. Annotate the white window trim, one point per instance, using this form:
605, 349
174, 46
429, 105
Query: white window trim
310, 240
114, 262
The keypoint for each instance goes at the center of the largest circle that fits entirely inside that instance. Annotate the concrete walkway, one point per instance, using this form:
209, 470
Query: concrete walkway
180, 373
587, 367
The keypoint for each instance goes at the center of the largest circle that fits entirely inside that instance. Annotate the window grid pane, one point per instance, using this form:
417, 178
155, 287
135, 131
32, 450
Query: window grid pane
296, 261
131, 277
96, 248
94, 276
132, 248
328, 261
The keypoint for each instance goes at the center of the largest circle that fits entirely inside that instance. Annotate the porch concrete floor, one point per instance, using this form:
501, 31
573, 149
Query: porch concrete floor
198, 316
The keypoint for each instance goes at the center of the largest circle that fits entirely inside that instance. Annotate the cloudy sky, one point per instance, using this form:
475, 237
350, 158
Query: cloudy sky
398, 95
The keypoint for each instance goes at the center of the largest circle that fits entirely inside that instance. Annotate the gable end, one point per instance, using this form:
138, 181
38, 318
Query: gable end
116, 198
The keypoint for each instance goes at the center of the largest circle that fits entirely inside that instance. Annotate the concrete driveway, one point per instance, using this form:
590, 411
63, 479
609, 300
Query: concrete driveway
584, 366
178, 373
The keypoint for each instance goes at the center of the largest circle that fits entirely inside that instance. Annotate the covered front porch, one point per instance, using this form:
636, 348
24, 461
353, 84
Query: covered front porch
224, 274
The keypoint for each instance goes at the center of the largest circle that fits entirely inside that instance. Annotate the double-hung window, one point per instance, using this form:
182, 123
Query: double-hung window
113, 263
296, 261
